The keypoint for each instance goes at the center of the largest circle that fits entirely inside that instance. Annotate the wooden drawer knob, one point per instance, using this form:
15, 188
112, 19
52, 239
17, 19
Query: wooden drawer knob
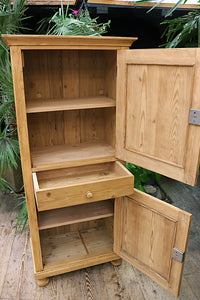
89, 195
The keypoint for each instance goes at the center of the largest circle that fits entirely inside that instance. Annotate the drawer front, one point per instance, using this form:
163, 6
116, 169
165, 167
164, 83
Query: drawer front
74, 194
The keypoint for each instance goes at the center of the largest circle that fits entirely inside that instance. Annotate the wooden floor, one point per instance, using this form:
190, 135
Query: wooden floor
101, 282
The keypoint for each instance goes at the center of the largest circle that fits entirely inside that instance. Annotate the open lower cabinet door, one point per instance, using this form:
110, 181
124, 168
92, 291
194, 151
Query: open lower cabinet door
152, 235
156, 88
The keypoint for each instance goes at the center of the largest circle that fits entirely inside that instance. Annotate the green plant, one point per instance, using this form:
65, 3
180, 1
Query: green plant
142, 176
75, 23
11, 17
171, 10
9, 146
183, 31
3, 185
23, 216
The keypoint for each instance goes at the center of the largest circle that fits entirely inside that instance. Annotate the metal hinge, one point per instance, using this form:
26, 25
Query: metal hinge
194, 116
178, 255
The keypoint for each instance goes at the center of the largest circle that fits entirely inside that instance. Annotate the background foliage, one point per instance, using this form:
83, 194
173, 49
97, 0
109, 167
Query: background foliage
11, 18
74, 22
183, 31
142, 176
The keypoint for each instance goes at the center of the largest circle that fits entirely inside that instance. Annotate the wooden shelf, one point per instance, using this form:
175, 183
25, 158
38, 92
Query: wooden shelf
75, 214
60, 156
35, 106
66, 247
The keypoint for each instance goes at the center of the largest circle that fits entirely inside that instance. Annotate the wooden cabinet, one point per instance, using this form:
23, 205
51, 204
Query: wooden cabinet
82, 103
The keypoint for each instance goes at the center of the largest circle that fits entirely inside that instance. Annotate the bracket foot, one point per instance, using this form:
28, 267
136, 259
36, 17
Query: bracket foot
42, 282
116, 262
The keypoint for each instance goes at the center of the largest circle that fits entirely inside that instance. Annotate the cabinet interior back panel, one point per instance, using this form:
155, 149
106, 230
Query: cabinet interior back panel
54, 74
156, 113
72, 127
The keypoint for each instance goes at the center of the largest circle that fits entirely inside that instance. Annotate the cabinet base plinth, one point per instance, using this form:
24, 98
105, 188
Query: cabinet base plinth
116, 262
42, 282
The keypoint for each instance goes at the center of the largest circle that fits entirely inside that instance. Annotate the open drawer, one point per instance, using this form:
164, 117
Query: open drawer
78, 185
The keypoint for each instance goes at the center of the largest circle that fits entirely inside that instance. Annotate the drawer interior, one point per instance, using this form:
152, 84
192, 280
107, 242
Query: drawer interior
78, 175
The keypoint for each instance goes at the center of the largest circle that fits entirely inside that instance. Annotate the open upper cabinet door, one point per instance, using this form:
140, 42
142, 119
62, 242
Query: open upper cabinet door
156, 88
152, 235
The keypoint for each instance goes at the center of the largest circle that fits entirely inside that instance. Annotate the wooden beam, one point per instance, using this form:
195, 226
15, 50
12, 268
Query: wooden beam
147, 4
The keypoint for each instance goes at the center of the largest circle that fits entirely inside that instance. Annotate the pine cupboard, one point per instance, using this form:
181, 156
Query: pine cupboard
83, 105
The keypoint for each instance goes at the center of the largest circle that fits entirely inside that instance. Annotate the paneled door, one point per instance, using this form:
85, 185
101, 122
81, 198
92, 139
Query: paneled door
152, 235
156, 88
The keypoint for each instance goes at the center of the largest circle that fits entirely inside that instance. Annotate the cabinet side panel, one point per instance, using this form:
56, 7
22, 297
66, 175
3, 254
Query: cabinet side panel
110, 126
110, 91
18, 81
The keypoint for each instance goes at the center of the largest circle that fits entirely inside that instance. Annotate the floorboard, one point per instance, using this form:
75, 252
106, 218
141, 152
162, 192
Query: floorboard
102, 282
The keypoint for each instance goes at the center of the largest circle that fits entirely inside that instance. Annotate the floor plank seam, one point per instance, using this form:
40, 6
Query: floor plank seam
137, 273
22, 265
88, 285
120, 284
1, 291
105, 283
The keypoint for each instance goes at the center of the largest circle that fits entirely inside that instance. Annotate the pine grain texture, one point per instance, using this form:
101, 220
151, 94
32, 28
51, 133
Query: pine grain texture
45, 40
152, 113
53, 157
75, 214
103, 281
62, 104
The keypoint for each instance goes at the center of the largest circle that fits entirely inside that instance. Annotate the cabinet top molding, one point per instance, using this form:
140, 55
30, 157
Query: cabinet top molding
102, 42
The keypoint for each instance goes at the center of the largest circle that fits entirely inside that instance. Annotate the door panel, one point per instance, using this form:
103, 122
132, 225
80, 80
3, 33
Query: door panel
145, 232
156, 89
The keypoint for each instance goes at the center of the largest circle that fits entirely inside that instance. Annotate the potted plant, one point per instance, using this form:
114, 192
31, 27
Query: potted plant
11, 17
76, 22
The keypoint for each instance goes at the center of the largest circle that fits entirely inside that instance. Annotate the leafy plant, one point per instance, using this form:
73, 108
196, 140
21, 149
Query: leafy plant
23, 216
183, 31
9, 151
141, 176
9, 146
3, 185
171, 10
11, 17
75, 23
